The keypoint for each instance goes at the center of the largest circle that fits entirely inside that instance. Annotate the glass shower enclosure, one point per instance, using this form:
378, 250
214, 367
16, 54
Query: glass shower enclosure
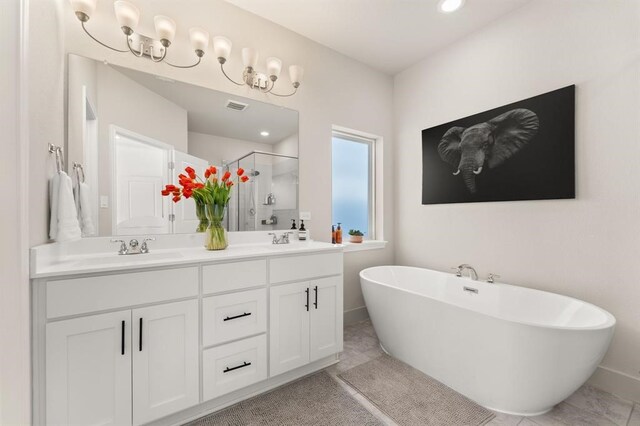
269, 200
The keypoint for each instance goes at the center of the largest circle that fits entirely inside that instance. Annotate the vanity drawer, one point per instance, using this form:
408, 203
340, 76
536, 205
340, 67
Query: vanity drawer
233, 316
84, 295
299, 268
233, 276
233, 366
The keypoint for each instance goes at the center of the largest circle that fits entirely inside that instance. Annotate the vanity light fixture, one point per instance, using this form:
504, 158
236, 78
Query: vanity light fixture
256, 80
448, 6
140, 45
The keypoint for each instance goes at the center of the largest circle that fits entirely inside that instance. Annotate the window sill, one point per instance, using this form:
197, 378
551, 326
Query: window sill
365, 245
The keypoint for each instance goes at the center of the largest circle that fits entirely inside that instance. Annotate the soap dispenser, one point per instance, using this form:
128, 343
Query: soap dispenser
339, 234
293, 224
302, 232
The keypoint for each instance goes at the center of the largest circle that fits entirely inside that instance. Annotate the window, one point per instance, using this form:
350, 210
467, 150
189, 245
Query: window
353, 181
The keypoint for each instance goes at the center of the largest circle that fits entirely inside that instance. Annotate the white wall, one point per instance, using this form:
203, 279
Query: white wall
586, 248
216, 149
14, 290
287, 146
336, 90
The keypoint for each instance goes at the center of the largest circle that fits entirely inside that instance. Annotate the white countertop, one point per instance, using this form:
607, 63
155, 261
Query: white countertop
55, 261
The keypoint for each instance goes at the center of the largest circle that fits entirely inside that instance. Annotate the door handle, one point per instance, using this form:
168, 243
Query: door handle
237, 316
122, 339
244, 364
140, 337
307, 305
315, 289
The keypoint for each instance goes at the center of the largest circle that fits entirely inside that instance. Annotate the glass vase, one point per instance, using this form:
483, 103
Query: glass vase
201, 213
216, 235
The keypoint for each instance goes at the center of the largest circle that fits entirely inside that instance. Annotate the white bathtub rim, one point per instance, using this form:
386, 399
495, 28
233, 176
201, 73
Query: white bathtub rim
610, 321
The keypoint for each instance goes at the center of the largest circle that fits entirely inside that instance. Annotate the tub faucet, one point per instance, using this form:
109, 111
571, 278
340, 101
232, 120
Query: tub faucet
472, 272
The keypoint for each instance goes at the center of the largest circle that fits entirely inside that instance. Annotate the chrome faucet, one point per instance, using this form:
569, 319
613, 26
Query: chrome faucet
491, 278
123, 246
284, 238
464, 267
134, 246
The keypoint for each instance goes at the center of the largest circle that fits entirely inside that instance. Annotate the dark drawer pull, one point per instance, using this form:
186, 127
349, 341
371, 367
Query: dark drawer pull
237, 316
244, 364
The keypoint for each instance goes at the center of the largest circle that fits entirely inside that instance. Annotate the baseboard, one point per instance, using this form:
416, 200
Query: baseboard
617, 383
354, 315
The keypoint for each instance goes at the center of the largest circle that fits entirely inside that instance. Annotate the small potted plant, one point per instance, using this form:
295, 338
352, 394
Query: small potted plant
355, 236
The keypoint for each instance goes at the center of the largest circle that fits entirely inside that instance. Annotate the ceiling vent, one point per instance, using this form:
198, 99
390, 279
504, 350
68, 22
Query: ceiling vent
236, 106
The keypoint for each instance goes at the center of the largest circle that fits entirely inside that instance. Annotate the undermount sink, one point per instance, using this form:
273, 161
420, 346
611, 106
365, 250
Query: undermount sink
115, 258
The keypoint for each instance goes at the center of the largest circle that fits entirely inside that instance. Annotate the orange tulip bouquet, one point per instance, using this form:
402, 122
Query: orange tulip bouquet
211, 196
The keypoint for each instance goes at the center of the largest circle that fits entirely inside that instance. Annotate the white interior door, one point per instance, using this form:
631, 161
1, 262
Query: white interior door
89, 370
326, 317
141, 169
289, 315
186, 220
165, 360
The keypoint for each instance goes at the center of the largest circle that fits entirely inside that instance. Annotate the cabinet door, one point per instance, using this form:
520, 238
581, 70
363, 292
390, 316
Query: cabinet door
289, 325
326, 317
165, 360
89, 370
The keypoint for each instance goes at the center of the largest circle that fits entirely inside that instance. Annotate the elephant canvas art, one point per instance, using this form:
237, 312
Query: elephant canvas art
521, 151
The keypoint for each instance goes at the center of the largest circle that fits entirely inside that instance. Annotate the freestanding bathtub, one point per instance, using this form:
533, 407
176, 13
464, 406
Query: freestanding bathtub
510, 349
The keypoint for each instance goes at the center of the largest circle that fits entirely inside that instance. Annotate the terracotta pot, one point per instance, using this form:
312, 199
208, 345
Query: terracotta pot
355, 238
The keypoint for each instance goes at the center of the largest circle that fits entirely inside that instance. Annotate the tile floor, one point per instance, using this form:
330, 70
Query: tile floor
588, 406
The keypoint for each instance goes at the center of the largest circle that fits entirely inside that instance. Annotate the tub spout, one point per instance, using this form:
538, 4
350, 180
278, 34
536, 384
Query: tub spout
472, 272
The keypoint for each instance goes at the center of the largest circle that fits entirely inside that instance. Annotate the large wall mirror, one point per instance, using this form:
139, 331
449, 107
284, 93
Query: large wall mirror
130, 133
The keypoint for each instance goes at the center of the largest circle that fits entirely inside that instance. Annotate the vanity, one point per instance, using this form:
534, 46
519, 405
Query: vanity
180, 332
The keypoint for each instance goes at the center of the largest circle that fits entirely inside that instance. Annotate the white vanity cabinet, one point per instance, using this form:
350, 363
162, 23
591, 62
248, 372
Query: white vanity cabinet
305, 316
165, 360
100, 366
88, 362
163, 345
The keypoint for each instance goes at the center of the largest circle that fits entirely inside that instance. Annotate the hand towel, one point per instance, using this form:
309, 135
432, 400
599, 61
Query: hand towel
64, 224
86, 222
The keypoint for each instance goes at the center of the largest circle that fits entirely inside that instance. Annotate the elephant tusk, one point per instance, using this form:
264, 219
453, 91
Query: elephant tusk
477, 172
456, 173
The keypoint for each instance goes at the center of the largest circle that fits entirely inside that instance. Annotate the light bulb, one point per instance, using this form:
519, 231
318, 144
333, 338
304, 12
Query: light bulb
165, 29
274, 66
448, 6
83, 8
127, 14
249, 57
221, 48
296, 72
199, 40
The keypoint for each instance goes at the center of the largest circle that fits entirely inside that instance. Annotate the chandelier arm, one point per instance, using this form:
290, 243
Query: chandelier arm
184, 66
139, 55
99, 42
285, 96
160, 59
273, 84
229, 78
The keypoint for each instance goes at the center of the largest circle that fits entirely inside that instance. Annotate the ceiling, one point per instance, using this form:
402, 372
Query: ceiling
388, 35
207, 113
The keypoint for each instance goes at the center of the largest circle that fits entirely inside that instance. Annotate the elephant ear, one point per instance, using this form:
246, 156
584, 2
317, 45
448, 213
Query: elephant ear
449, 146
512, 131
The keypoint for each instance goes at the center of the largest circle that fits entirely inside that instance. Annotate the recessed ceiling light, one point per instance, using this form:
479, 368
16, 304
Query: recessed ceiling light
264, 133
448, 6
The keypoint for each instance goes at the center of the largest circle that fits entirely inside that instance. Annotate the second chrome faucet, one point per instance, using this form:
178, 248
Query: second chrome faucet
472, 273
